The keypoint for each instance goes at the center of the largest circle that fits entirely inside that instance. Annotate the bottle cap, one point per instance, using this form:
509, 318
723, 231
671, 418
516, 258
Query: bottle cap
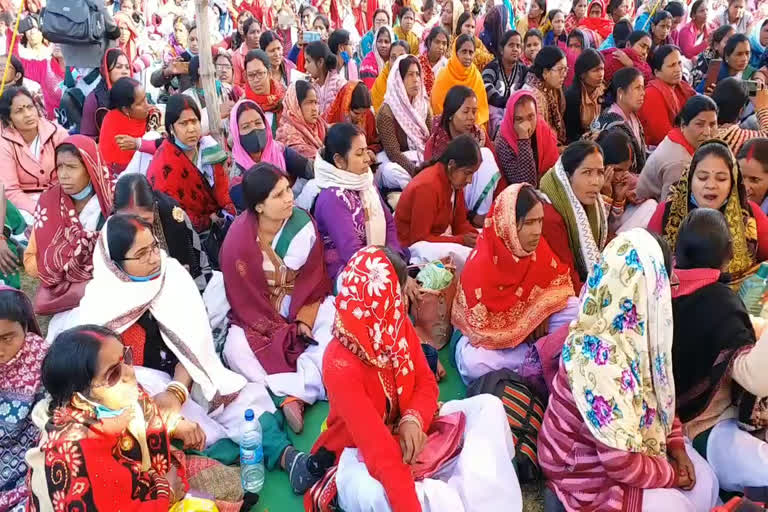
763, 270
249, 412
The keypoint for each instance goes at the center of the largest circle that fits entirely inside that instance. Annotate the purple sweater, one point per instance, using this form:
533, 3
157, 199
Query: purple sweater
341, 223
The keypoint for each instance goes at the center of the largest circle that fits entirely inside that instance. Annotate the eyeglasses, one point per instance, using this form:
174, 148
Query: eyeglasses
257, 75
144, 254
114, 374
223, 67
562, 70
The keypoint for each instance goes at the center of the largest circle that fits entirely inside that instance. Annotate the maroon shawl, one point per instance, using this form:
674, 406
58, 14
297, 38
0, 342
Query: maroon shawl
64, 247
273, 339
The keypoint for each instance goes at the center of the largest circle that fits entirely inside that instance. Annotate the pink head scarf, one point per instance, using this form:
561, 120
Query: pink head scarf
272, 153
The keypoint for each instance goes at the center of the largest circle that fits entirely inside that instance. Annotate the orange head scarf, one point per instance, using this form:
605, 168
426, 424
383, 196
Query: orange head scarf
456, 74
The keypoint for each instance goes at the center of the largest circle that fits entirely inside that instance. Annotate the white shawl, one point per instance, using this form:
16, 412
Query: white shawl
111, 299
328, 176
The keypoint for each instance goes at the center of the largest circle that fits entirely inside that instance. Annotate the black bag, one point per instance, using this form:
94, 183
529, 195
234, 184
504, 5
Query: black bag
75, 22
525, 412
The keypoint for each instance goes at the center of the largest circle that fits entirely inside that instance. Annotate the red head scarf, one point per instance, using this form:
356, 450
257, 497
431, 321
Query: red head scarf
371, 320
64, 246
506, 292
546, 140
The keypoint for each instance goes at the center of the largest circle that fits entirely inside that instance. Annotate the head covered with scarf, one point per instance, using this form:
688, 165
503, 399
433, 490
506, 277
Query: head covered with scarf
456, 74
506, 292
65, 247
411, 114
496, 23
339, 111
618, 353
371, 320
545, 138
294, 131
738, 214
273, 151
587, 226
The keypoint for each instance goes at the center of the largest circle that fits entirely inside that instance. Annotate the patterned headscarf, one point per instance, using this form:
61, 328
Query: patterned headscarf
618, 353
371, 320
587, 226
411, 116
506, 291
741, 223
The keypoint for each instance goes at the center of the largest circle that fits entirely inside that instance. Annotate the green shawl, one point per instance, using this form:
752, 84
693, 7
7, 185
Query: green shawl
587, 226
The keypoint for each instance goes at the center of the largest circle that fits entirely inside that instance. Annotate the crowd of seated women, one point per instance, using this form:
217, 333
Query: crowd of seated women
594, 177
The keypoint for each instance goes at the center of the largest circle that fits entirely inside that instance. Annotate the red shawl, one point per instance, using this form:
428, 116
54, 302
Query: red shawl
272, 102
546, 139
79, 451
674, 96
371, 321
506, 292
273, 339
117, 123
173, 173
64, 247
602, 25
612, 64
338, 112
676, 136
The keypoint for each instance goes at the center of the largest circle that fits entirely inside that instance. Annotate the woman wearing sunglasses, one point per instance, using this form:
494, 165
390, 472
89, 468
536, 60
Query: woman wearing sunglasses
153, 302
105, 445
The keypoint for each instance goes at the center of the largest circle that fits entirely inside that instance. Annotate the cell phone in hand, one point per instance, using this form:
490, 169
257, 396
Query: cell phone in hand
752, 87
310, 36
712, 73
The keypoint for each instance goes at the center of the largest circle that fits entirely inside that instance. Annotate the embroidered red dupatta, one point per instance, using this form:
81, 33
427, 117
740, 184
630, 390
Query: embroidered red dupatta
65, 247
273, 339
506, 292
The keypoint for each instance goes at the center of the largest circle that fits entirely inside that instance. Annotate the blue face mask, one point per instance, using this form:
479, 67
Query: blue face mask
87, 191
345, 57
102, 411
142, 279
181, 145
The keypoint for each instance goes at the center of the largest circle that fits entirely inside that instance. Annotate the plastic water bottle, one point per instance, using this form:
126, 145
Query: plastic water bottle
752, 290
251, 455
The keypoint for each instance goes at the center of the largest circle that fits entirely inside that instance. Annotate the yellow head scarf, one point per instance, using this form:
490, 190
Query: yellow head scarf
380, 87
456, 74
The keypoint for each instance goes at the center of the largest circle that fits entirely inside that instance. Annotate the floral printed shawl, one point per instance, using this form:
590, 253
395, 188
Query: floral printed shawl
618, 354
411, 115
295, 132
65, 247
371, 319
20, 389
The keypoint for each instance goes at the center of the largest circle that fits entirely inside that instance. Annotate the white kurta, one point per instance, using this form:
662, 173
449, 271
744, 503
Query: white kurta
306, 383
480, 479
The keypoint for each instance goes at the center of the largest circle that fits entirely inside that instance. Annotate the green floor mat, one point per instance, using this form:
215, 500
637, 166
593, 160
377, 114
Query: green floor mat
276, 496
